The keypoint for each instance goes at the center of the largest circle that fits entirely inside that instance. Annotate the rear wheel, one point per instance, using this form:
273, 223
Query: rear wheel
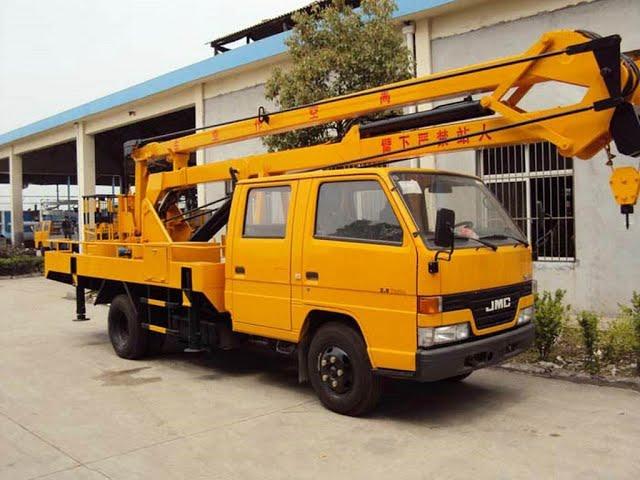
340, 372
128, 338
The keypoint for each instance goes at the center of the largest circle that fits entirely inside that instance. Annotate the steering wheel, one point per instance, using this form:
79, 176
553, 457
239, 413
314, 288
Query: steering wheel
466, 223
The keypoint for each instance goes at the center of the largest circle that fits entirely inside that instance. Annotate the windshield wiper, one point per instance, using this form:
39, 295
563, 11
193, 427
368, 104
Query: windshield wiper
479, 240
502, 236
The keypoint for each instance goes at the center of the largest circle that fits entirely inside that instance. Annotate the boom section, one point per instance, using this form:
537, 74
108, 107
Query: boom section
563, 57
605, 110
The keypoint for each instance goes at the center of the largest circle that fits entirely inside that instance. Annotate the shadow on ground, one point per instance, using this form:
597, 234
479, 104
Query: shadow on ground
438, 404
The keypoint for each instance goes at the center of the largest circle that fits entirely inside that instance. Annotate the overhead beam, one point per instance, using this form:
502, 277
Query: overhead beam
46, 140
140, 111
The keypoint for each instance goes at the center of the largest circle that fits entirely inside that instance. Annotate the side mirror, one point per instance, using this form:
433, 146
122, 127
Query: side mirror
445, 222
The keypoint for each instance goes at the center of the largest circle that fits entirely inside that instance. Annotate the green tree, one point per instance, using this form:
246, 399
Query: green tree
336, 51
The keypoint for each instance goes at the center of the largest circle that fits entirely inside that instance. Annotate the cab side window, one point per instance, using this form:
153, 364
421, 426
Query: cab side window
266, 212
356, 211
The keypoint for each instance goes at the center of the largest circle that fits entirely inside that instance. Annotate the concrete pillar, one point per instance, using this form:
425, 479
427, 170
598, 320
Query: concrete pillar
16, 183
424, 66
86, 170
198, 100
409, 32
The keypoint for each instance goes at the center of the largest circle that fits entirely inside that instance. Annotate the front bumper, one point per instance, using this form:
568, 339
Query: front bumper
446, 362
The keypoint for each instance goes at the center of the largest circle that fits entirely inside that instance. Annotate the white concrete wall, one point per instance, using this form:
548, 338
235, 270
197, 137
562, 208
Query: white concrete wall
232, 105
607, 269
161, 104
468, 15
46, 139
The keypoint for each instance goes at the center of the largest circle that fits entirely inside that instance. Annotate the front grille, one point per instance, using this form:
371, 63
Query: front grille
490, 307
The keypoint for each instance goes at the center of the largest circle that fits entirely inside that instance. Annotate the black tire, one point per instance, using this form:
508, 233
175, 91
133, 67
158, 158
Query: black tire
357, 390
457, 378
128, 338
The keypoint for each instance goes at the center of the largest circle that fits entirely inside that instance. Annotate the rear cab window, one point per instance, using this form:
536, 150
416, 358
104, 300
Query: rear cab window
266, 212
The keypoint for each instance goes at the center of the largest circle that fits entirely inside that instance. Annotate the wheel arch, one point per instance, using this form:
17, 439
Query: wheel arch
314, 320
109, 289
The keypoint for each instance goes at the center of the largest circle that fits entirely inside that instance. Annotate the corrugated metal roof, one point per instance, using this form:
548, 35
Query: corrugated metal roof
272, 26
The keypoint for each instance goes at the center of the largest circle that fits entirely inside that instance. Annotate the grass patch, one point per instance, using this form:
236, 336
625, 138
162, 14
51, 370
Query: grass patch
581, 343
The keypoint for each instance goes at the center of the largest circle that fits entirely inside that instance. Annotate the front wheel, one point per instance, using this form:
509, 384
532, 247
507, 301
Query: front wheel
340, 372
127, 336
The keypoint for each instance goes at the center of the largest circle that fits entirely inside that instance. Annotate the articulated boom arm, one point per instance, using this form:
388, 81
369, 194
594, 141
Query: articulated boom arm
579, 59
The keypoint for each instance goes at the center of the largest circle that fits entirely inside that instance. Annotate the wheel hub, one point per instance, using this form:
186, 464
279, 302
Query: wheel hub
335, 370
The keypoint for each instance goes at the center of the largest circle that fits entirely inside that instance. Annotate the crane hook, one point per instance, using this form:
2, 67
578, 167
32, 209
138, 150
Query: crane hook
610, 156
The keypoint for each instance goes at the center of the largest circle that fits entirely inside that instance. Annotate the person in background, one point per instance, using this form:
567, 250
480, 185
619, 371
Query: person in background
67, 228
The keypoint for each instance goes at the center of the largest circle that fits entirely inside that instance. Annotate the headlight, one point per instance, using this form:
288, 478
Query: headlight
525, 316
430, 336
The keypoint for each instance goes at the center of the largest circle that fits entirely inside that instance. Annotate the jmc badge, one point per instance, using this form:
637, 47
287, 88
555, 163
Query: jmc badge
499, 304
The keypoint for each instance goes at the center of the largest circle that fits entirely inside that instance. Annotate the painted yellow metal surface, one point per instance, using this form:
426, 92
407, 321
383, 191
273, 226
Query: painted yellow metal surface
42, 234
157, 329
625, 185
261, 267
499, 77
362, 280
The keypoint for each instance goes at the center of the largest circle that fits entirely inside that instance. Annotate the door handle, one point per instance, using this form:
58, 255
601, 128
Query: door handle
312, 275
240, 270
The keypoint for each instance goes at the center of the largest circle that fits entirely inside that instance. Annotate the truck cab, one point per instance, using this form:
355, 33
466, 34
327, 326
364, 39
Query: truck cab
354, 252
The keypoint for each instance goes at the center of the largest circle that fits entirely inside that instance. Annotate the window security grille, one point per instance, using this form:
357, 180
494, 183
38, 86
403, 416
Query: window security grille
535, 185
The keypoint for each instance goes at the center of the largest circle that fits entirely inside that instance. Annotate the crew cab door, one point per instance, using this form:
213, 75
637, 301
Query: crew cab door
261, 256
359, 259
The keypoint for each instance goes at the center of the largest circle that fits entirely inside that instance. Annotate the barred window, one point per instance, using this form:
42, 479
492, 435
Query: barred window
535, 185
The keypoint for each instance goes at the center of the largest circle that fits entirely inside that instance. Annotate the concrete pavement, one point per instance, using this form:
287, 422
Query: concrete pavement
71, 409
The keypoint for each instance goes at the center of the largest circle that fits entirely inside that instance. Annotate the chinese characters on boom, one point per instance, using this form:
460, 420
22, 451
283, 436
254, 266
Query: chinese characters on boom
441, 137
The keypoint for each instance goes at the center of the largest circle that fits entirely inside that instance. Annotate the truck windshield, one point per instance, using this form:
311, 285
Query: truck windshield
478, 214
